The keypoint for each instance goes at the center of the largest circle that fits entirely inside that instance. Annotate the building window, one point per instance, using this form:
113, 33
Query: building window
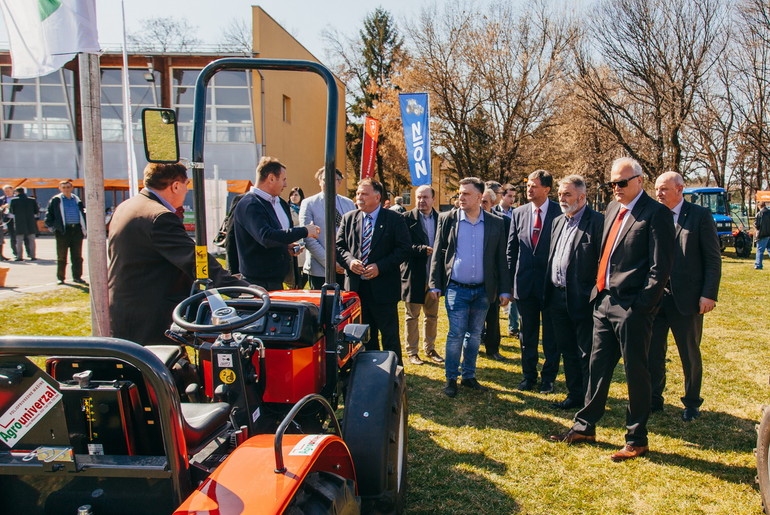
143, 93
228, 105
286, 109
36, 109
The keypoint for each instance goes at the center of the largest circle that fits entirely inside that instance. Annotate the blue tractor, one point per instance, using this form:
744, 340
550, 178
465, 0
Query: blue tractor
731, 234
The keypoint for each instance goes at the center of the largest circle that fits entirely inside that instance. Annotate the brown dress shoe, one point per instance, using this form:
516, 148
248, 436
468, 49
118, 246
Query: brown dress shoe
414, 359
630, 452
434, 356
571, 437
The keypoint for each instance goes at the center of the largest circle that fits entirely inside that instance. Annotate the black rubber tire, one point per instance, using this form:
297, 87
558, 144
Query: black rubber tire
743, 245
763, 459
374, 427
322, 493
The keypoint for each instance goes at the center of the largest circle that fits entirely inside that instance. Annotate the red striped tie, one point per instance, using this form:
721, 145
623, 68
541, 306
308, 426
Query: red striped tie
601, 276
537, 228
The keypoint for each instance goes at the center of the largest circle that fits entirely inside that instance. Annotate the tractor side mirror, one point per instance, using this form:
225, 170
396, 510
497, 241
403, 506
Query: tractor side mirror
161, 141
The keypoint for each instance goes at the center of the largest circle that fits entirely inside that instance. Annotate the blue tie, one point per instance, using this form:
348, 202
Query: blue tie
366, 244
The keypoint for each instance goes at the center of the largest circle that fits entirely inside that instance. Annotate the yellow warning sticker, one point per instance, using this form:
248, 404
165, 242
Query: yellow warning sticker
201, 262
227, 376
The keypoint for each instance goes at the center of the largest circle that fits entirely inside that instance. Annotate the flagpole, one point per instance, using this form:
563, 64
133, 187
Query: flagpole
128, 122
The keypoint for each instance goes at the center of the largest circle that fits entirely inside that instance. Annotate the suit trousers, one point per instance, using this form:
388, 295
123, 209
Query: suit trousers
72, 240
531, 311
574, 337
382, 317
687, 331
412, 311
268, 284
28, 242
491, 335
618, 332
12, 239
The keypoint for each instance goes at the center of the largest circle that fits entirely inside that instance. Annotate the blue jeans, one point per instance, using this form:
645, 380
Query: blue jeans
466, 310
761, 248
513, 317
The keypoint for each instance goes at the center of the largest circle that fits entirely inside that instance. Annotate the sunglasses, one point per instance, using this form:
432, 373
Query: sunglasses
621, 183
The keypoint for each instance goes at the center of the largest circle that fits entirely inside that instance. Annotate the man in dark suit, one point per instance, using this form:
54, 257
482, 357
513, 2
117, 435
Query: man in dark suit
528, 245
264, 233
635, 265
421, 222
372, 242
490, 336
572, 262
25, 211
152, 259
469, 267
6, 220
691, 292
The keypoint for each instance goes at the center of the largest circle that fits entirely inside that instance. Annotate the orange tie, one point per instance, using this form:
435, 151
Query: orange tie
604, 261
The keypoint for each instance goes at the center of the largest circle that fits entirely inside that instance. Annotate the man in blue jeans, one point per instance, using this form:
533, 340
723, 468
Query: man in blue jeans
468, 266
762, 224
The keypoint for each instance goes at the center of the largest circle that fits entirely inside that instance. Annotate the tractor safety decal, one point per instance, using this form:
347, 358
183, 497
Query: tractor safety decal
227, 376
27, 411
307, 445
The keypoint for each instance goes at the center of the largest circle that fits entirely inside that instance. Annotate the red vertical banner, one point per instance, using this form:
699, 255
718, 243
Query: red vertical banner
369, 151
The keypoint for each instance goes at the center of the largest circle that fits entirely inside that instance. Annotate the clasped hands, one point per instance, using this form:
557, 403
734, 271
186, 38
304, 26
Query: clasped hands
365, 271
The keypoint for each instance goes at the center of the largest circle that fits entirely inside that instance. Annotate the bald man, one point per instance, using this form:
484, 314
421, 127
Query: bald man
690, 293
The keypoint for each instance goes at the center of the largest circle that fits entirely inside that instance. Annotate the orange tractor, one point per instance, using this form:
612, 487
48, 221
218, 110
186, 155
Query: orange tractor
247, 423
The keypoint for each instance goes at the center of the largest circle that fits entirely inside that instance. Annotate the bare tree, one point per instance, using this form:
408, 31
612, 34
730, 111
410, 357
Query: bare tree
236, 37
165, 35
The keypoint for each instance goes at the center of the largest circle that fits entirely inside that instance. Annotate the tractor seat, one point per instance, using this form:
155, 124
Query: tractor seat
168, 354
201, 421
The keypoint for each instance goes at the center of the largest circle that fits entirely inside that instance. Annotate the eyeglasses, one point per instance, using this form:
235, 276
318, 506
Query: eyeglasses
621, 183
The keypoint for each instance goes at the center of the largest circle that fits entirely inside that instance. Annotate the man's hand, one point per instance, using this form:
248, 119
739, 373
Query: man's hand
339, 268
706, 305
292, 251
357, 267
313, 231
371, 271
504, 300
434, 295
429, 250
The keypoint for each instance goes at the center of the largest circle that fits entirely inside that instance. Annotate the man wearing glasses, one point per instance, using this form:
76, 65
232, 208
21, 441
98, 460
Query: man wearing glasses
636, 260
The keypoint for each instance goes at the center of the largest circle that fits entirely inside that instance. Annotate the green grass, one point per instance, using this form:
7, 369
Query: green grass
489, 453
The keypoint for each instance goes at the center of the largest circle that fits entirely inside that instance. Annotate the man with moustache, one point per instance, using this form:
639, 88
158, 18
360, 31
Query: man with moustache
635, 265
422, 222
690, 293
574, 257
491, 334
528, 245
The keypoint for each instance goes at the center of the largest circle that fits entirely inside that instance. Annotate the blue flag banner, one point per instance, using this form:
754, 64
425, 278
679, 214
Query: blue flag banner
414, 116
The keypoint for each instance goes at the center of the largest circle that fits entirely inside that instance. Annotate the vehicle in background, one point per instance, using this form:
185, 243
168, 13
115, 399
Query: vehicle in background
732, 230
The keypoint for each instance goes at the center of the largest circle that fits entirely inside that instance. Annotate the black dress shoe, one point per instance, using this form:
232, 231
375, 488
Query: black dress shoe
546, 387
526, 385
567, 404
450, 390
690, 413
473, 385
497, 357
79, 281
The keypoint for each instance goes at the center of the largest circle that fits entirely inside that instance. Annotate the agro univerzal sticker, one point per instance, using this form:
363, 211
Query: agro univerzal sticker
307, 445
27, 411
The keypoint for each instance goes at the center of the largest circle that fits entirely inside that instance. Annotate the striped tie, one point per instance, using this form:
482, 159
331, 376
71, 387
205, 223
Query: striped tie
366, 244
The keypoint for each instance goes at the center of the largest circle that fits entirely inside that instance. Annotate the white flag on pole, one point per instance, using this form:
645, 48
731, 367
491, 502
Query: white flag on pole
44, 35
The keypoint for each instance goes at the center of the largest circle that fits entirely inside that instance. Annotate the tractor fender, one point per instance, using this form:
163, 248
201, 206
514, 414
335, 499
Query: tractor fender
246, 482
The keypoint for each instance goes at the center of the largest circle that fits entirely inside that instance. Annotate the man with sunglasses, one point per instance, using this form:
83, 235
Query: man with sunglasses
635, 264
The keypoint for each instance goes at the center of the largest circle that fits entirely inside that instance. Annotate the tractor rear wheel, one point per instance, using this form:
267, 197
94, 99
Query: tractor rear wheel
325, 493
374, 427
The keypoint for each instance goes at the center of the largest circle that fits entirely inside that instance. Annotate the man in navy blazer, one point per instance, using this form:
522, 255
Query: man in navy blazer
691, 292
528, 244
576, 240
372, 259
264, 233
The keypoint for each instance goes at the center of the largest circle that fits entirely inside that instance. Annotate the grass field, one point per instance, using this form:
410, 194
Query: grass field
489, 453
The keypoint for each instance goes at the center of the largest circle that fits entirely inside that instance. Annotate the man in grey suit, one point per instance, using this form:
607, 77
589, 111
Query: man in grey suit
691, 292
469, 267
312, 211
576, 240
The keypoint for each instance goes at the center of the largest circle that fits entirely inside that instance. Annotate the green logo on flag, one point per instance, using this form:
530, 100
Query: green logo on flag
47, 7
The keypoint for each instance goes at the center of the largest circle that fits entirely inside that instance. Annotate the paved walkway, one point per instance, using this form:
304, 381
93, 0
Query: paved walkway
35, 276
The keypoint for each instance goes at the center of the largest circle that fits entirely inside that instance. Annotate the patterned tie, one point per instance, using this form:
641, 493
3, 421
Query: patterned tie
536, 228
366, 242
180, 212
601, 276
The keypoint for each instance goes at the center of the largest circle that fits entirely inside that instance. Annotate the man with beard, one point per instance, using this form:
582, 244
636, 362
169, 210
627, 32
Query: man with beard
572, 262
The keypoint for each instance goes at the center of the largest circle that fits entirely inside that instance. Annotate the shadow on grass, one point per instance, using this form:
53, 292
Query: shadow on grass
439, 467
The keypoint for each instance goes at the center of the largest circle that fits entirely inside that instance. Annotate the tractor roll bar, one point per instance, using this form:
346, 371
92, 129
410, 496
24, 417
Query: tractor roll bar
152, 369
199, 137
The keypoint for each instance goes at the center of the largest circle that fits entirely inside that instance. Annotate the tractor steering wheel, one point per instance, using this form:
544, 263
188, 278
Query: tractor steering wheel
224, 316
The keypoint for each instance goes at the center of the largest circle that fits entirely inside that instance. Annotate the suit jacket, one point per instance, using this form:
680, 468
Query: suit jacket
390, 247
583, 261
697, 259
25, 212
151, 269
641, 263
312, 210
414, 271
496, 273
527, 264
261, 242
54, 216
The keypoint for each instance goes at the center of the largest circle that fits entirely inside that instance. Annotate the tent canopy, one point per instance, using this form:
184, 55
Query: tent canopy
233, 186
